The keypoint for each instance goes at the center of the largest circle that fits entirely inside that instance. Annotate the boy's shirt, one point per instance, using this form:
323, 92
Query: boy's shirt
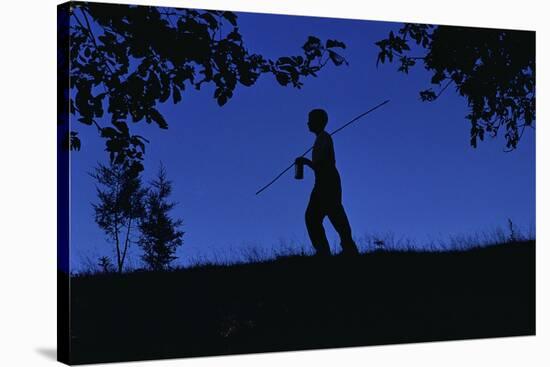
323, 157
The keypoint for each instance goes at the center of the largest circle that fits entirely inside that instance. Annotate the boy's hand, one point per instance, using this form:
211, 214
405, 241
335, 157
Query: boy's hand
303, 161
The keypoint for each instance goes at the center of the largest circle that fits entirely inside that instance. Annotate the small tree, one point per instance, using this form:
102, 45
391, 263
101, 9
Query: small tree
105, 264
160, 234
121, 196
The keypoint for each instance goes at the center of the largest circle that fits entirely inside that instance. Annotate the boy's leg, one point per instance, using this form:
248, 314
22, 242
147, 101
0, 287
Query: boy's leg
314, 224
339, 220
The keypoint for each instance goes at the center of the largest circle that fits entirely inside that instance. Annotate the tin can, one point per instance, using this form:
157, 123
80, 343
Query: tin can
298, 171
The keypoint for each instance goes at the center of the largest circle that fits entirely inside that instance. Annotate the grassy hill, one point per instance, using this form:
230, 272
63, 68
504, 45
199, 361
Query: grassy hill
301, 302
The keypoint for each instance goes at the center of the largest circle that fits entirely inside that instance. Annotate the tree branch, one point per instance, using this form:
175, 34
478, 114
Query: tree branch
127, 241
91, 34
443, 89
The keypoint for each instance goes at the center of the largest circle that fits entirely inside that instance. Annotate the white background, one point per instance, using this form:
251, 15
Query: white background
28, 183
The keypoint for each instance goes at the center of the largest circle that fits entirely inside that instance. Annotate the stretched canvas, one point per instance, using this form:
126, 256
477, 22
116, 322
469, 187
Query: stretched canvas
234, 182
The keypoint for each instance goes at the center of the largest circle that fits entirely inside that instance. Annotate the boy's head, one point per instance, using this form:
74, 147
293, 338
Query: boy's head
317, 120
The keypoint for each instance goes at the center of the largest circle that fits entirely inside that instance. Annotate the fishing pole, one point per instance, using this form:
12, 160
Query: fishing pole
309, 150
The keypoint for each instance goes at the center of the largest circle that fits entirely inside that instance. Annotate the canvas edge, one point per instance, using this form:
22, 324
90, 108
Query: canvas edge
63, 187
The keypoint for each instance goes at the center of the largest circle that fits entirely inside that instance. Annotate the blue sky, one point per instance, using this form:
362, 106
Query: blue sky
407, 168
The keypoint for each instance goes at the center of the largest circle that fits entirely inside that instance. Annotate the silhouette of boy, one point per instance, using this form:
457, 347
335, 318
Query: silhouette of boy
326, 196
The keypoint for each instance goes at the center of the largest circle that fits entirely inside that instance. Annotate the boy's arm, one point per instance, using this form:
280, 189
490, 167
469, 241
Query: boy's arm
305, 161
321, 156
322, 149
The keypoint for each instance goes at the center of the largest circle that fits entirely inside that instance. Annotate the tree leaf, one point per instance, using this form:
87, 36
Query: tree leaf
336, 58
176, 94
212, 22
158, 118
86, 120
108, 132
231, 17
335, 43
121, 126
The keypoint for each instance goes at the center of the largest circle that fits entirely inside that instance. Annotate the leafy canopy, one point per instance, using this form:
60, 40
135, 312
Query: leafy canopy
126, 60
493, 69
